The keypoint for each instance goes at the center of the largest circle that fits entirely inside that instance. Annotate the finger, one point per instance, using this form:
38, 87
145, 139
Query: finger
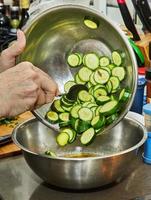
47, 83
41, 100
18, 46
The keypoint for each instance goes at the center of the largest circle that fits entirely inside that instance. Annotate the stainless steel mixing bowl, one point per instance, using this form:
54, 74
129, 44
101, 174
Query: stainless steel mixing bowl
115, 153
55, 32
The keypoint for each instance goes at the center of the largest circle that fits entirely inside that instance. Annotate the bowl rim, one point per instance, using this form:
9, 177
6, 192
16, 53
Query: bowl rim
140, 143
120, 33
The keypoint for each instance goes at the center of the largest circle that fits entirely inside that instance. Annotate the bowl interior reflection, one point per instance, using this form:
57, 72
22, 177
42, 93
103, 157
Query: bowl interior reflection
37, 138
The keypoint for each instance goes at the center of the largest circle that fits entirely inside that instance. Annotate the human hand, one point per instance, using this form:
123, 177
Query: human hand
24, 87
8, 56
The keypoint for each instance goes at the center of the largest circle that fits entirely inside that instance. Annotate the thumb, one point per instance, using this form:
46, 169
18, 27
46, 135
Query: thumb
18, 46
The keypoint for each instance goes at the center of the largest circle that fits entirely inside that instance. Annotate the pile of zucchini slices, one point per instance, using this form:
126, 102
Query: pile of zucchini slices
94, 106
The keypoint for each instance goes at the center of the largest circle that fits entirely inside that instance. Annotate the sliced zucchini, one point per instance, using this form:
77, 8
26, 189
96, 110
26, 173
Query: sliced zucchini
71, 133
85, 114
84, 74
73, 60
99, 92
107, 69
115, 82
109, 108
68, 85
104, 61
82, 126
65, 103
124, 95
97, 112
91, 104
94, 110
119, 72
62, 139
52, 117
67, 100
74, 91
56, 106
109, 87
92, 81
101, 76
50, 153
87, 136
91, 90
64, 124
64, 117
102, 100
67, 108
116, 58
85, 104
84, 96
91, 60
97, 122
111, 66
74, 111
90, 23
99, 86
89, 85
78, 80
110, 119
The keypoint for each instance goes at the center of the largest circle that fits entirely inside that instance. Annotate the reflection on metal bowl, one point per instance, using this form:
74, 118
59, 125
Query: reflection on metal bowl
115, 152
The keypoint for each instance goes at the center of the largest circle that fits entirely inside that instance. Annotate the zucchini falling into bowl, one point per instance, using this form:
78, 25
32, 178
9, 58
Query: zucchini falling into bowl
92, 100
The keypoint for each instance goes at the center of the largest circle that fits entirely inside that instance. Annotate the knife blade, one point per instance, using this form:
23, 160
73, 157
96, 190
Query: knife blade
128, 19
5, 139
146, 28
145, 12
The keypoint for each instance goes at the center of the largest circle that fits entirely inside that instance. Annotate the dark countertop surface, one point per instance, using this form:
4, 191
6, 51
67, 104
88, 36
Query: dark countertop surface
18, 182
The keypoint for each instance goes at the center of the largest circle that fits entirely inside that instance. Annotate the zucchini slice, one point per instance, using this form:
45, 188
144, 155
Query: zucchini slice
110, 119
124, 95
84, 96
92, 81
64, 117
74, 91
74, 111
68, 85
101, 76
84, 74
97, 112
85, 114
56, 106
102, 100
109, 87
72, 134
91, 60
99, 92
119, 72
74, 60
104, 61
97, 122
109, 108
62, 139
115, 82
64, 124
87, 136
78, 80
116, 58
50, 153
52, 117
82, 126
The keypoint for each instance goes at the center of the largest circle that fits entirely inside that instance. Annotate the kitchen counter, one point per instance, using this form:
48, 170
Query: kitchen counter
18, 182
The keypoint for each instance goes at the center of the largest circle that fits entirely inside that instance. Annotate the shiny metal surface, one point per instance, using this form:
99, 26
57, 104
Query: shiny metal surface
116, 152
57, 31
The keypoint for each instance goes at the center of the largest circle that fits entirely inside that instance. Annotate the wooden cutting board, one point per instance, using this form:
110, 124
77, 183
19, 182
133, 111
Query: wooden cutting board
11, 149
